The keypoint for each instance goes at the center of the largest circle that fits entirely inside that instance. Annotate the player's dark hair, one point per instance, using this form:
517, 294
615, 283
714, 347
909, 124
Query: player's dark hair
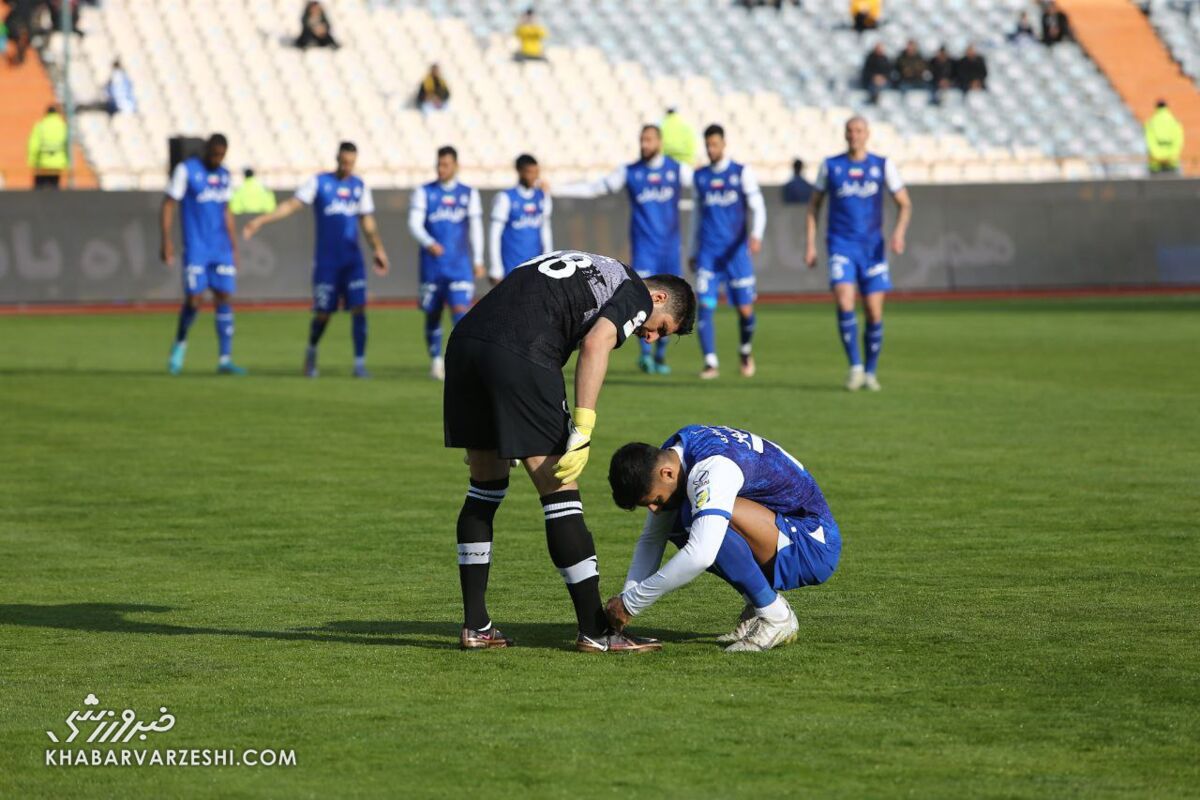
447, 150
681, 300
347, 147
652, 127
217, 140
631, 473
526, 160
797, 167
714, 130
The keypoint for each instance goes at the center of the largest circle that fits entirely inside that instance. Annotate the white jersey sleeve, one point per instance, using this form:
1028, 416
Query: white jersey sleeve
610, 184
307, 192
822, 177
891, 176
500, 210
177, 188
648, 553
416, 218
713, 486
475, 221
754, 199
366, 203
547, 231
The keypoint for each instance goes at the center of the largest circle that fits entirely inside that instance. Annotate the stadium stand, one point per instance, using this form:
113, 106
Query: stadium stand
1179, 28
782, 82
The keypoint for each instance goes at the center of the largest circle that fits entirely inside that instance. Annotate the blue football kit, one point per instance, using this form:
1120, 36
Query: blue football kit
203, 196
718, 465
520, 230
855, 240
339, 275
725, 192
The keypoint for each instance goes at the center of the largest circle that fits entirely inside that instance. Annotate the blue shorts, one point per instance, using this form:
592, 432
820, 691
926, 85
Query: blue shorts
809, 548
735, 273
218, 277
344, 286
442, 292
649, 261
862, 263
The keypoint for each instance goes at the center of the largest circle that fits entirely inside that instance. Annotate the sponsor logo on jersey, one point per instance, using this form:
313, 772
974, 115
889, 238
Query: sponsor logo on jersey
216, 194
527, 222
348, 208
864, 190
450, 213
661, 194
725, 198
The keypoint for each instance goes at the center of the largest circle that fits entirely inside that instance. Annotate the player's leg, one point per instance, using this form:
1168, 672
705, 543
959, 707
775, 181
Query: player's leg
741, 287
644, 268
843, 272
459, 297
754, 528
875, 283
222, 279
355, 293
325, 298
195, 283
708, 288
433, 299
668, 264
469, 421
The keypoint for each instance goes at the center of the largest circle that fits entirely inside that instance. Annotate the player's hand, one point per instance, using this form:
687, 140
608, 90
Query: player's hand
479, 271
167, 253
436, 250
898, 242
810, 255
250, 229
570, 466
755, 245
381, 262
618, 615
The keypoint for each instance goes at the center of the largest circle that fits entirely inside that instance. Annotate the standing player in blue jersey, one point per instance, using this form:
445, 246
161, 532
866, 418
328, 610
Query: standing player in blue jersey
726, 193
734, 504
200, 187
520, 229
446, 219
854, 182
341, 203
654, 184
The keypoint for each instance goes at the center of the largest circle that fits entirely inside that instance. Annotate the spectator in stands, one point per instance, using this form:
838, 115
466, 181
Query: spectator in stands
47, 149
251, 197
865, 14
1055, 27
678, 138
912, 70
1024, 31
315, 30
876, 72
943, 74
118, 92
531, 34
433, 94
1164, 140
20, 27
797, 191
972, 70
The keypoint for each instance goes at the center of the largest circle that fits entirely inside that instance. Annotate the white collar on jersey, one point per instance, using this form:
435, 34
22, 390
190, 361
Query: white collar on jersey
722, 165
682, 462
655, 162
526, 193
449, 185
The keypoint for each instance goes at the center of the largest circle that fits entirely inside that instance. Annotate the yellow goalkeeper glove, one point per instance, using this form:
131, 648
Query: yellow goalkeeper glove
570, 466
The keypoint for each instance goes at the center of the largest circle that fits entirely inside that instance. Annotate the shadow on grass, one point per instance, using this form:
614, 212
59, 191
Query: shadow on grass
112, 618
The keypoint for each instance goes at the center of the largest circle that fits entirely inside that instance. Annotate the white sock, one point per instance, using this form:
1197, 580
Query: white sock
746, 349
710, 360
223, 360
360, 361
775, 611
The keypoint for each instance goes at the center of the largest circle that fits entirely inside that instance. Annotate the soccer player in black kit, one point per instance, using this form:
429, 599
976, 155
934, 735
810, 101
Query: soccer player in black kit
505, 399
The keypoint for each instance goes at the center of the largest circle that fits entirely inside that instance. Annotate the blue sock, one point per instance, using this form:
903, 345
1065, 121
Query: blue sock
433, 333
224, 322
358, 326
746, 332
848, 329
660, 350
645, 349
708, 334
736, 565
873, 343
316, 330
187, 315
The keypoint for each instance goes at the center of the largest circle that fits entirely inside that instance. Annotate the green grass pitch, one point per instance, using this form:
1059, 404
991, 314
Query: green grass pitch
1015, 613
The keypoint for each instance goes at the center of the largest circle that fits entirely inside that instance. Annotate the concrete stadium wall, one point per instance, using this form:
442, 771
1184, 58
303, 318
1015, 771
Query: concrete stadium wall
103, 246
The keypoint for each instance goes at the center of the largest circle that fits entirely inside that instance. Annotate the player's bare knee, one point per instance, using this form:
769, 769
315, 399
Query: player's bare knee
486, 465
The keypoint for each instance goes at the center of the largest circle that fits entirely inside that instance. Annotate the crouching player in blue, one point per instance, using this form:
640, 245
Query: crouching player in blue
854, 182
200, 187
735, 504
722, 243
341, 203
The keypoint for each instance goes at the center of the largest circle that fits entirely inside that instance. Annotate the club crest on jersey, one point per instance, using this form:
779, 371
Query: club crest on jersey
874, 172
462, 198
670, 175
734, 180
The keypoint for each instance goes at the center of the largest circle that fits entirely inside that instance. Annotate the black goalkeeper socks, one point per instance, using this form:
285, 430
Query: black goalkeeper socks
574, 553
475, 547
